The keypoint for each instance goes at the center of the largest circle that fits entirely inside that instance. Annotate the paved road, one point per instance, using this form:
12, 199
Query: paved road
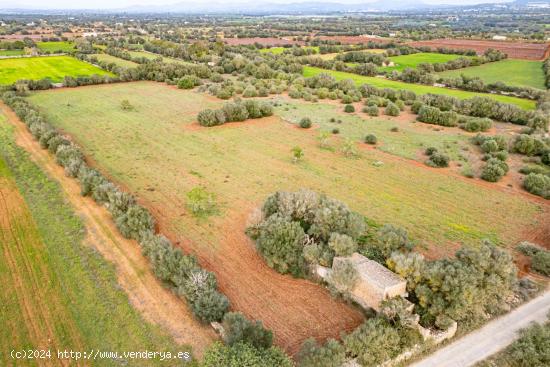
491, 338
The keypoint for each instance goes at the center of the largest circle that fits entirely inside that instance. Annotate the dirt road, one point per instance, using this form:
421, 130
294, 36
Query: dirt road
491, 338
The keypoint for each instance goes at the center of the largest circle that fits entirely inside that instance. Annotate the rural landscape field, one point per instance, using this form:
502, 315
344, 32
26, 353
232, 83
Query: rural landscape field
274, 185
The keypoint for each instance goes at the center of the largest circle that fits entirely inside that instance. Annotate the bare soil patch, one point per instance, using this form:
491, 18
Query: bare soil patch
515, 50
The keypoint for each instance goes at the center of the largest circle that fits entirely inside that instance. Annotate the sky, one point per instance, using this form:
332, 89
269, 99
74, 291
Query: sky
117, 4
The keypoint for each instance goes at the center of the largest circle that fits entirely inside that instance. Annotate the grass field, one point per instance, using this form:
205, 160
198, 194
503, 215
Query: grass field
57, 292
63, 46
310, 71
522, 73
12, 52
152, 56
411, 61
159, 152
280, 50
406, 143
117, 60
54, 67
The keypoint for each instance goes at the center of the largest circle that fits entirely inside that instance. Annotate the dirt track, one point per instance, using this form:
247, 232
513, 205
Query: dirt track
514, 50
156, 303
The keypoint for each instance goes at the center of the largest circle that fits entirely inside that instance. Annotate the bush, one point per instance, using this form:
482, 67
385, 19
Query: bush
541, 262
239, 329
281, 242
349, 108
343, 276
537, 184
371, 110
243, 354
188, 82
135, 223
305, 123
235, 111
210, 305
375, 342
371, 139
494, 170
392, 109
332, 354
438, 160
200, 202
476, 124
211, 117
341, 244
282, 239
430, 150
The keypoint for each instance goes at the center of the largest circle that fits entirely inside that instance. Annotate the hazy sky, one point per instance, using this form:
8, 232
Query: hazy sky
110, 4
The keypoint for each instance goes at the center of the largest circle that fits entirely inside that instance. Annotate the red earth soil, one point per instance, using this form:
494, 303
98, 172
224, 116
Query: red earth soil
515, 50
353, 40
270, 41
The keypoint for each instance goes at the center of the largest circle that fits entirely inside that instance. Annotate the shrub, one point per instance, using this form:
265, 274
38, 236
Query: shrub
281, 242
341, 244
243, 354
239, 329
188, 82
371, 139
392, 109
476, 124
541, 262
430, 150
211, 117
537, 184
297, 154
335, 131
529, 145
235, 111
305, 123
135, 222
200, 202
126, 105
371, 110
494, 170
374, 342
210, 305
332, 354
438, 160
349, 108
343, 276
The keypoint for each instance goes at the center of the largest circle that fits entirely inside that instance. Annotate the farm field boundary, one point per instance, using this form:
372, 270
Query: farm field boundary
131, 272
310, 71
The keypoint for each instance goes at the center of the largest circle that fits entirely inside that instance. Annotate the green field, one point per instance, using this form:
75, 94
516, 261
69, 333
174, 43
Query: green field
63, 46
522, 73
411, 61
117, 60
142, 148
12, 52
406, 143
310, 71
53, 67
151, 56
57, 291
280, 50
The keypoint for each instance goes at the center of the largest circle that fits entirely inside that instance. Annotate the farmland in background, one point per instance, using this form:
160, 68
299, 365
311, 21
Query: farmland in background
52, 67
411, 61
521, 73
310, 71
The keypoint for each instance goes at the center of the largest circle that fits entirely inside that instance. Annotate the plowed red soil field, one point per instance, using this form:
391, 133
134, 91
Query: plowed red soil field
270, 41
514, 50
